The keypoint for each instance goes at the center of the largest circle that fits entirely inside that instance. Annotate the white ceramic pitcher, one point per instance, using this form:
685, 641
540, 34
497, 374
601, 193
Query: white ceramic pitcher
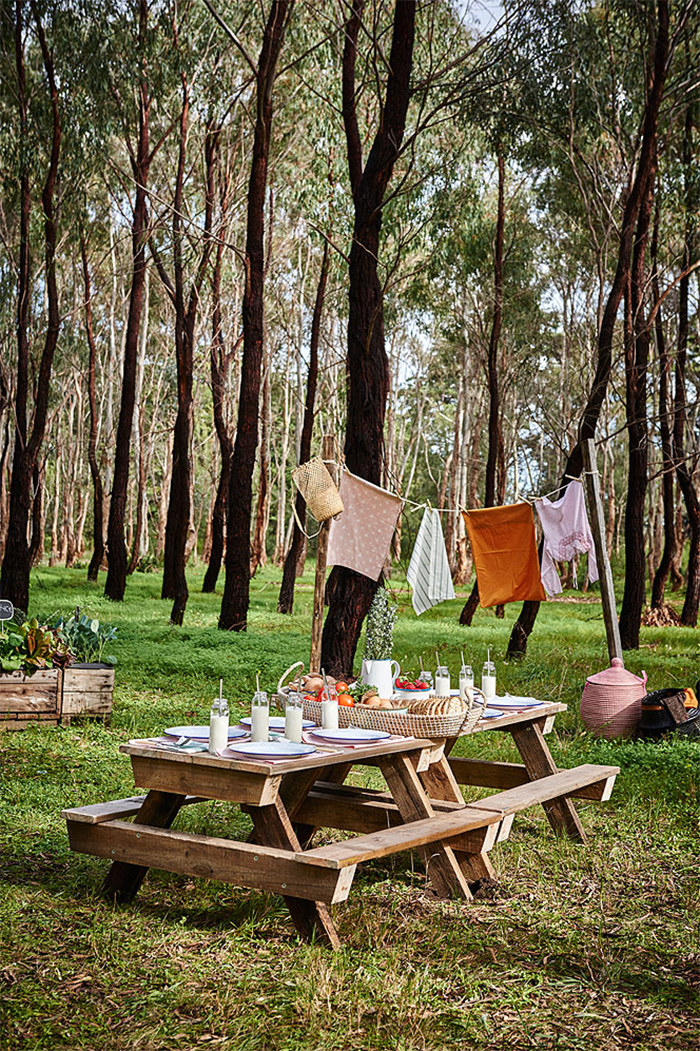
381, 674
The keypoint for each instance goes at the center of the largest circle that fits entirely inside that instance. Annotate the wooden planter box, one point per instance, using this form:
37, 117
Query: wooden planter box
27, 699
87, 690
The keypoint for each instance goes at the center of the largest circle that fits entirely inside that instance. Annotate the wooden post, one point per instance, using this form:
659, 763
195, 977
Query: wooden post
595, 511
327, 453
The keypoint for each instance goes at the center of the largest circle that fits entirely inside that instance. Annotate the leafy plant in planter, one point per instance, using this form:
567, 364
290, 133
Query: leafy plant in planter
379, 638
86, 638
30, 646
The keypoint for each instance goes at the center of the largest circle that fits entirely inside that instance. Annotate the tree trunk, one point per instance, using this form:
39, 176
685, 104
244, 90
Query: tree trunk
258, 548
16, 565
285, 603
669, 520
115, 584
684, 472
494, 460
636, 363
517, 645
98, 545
236, 599
350, 593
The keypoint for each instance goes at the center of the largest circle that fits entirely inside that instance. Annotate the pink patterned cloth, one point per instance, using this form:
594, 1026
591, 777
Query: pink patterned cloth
360, 537
566, 533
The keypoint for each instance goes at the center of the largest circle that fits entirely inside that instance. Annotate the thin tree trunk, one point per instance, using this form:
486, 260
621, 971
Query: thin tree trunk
285, 603
115, 584
684, 472
494, 460
16, 565
236, 599
669, 520
98, 545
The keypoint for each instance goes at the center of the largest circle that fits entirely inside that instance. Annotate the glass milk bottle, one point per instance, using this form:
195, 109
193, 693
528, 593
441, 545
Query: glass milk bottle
293, 717
466, 683
488, 680
260, 717
329, 709
218, 725
442, 681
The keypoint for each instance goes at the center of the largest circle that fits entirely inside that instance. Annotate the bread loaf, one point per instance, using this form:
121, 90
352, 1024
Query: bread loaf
438, 706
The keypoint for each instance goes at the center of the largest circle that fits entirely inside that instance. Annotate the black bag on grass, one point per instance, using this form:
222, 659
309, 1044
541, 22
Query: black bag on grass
664, 711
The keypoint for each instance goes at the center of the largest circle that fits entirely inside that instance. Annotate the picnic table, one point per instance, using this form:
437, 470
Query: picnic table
288, 800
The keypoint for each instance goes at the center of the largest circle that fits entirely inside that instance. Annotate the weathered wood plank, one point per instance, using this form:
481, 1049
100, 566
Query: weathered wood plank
181, 775
242, 864
404, 837
485, 773
27, 695
440, 783
561, 813
116, 809
547, 790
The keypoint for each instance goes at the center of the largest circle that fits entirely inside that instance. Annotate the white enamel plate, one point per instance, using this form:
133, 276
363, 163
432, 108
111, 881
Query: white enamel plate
352, 735
517, 702
269, 750
200, 733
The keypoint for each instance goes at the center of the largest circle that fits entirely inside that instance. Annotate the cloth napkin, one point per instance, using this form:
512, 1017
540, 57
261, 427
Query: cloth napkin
360, 537
505, 554
429, 571
566, 533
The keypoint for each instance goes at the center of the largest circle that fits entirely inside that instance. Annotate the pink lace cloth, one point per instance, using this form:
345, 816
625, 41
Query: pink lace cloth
566, 533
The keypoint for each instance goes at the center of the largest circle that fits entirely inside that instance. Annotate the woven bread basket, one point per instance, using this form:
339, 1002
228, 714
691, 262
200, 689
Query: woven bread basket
456, 723
320, 492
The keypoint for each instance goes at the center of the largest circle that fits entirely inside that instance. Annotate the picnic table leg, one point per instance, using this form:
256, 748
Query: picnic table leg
538, 761
442, 863
273, 828
440, 783
123, 880
293, 801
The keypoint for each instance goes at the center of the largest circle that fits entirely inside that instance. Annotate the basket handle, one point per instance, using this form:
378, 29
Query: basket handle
285, 674
475, 690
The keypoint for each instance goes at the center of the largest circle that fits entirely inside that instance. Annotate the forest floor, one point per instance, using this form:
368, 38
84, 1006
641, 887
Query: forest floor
594, 947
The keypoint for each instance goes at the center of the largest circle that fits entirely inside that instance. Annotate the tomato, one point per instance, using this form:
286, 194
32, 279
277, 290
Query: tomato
341, 687
311, 697
346, 700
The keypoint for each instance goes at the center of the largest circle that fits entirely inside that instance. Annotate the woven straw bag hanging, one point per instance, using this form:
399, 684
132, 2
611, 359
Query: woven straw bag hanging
320, 492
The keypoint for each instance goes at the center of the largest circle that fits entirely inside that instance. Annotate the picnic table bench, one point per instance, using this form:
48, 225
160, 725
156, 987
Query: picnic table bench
423, 808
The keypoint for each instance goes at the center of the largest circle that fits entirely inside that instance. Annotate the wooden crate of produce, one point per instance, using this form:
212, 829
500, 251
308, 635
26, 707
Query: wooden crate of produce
26, 699
87, 690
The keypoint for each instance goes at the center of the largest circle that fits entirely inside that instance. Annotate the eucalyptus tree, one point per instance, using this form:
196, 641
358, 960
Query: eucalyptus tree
36, 153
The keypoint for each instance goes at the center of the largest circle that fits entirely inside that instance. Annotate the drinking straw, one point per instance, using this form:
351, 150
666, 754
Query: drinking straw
464, 663
422, 669
325, 684
257, 680
437, 659
488, 652
221, 689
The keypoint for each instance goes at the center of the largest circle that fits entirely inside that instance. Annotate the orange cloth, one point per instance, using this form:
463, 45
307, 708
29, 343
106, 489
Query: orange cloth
505, 554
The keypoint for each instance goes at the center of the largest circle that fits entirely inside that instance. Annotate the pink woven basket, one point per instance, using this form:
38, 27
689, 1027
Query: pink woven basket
611, 704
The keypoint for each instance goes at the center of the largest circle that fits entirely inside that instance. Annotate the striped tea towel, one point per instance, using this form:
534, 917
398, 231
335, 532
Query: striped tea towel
429, 571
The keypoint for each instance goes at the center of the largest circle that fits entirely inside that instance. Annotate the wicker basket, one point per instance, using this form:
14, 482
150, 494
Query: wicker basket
314, 482
405, 725
611, 703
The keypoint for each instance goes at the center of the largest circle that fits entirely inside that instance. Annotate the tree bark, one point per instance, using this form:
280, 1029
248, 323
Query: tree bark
669, 512
16, 565
98, 544
236, 599
684, 472
636, 362
350, 593
517, 645
115, 584
494, 460
285, 603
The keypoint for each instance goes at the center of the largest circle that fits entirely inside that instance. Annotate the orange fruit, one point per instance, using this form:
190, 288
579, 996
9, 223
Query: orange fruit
346, 700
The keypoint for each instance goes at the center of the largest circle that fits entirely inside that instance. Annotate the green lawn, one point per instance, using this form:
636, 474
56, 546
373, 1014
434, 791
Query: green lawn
593, 947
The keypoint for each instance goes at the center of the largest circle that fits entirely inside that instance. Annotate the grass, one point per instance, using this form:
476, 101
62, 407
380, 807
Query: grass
593, 947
